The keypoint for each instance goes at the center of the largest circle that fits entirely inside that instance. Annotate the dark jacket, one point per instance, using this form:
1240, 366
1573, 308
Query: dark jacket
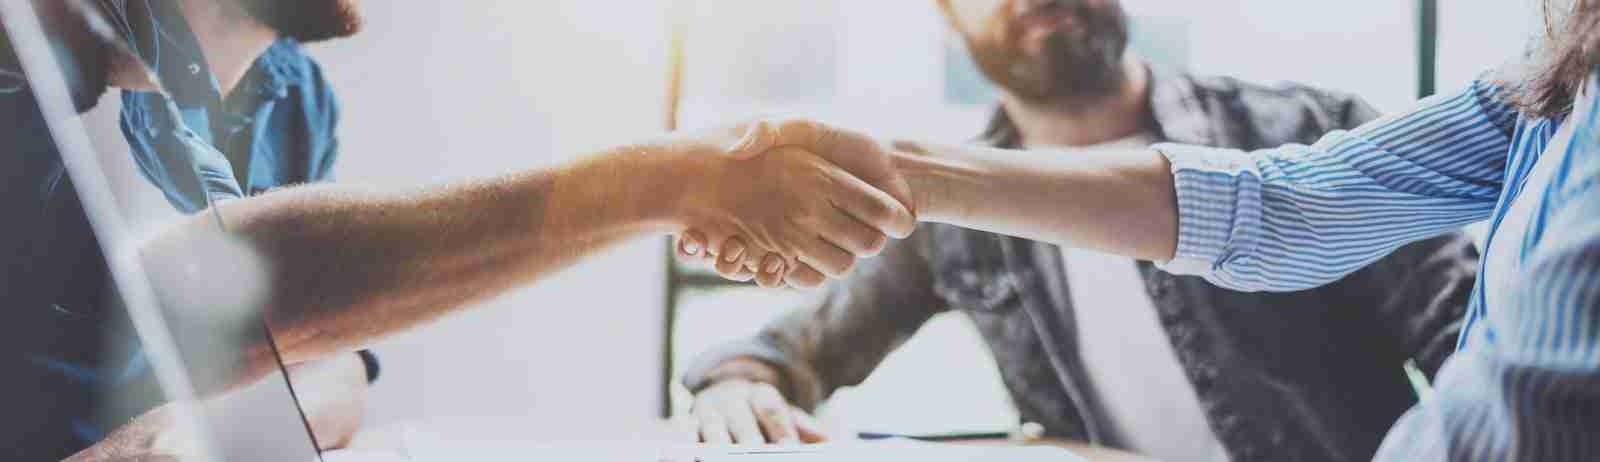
1303, 376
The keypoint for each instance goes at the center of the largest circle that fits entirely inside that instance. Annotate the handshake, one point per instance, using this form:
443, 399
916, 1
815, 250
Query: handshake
814, 199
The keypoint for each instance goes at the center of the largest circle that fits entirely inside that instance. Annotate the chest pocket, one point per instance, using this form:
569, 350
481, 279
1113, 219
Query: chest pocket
969, 270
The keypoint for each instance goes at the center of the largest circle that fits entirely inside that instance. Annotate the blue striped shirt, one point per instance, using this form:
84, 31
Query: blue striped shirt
1525, 381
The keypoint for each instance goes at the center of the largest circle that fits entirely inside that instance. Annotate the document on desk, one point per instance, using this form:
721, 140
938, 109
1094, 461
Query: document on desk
423, 447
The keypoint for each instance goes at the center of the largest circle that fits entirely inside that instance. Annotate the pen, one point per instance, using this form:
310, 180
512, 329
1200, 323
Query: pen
1028, 431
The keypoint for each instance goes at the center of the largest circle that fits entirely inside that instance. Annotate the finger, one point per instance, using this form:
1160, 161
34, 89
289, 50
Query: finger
772, 412
808, 429
871, 205
765, 134
742, 423
758, 139
805, 277
773, 268
731, 260
714, 428
850, 234
824, 256
690, 244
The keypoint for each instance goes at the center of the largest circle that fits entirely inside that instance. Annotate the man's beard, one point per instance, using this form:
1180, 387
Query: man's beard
306, 20
1071, 65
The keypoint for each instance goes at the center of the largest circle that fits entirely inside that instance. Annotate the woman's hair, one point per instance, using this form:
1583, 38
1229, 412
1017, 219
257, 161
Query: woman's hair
1557, 68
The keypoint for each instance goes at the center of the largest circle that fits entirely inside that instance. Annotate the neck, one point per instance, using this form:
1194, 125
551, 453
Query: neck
230, 39
1084, 121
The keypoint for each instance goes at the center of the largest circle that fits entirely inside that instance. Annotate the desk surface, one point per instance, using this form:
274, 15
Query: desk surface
391, 437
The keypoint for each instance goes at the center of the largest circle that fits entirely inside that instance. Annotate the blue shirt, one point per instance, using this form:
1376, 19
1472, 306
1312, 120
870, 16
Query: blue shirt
275, 128
1524, 383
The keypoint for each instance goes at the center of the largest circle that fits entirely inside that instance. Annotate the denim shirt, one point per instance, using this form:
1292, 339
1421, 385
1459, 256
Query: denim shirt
275, 128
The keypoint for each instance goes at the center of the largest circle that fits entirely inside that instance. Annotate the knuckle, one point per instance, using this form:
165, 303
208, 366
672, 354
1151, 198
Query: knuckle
875, 243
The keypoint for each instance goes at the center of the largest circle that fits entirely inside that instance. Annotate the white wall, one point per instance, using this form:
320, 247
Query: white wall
435, 91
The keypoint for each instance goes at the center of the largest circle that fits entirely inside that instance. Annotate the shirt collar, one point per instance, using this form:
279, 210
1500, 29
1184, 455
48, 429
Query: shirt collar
163, 37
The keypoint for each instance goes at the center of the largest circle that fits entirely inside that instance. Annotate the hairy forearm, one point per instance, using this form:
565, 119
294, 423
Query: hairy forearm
1119, 202
339, 266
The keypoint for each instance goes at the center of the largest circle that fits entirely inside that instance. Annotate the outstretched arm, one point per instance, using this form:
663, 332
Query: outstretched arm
334, 267
1280, 219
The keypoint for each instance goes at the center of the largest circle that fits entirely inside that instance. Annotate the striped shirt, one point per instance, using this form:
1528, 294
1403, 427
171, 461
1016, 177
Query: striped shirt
1524, 383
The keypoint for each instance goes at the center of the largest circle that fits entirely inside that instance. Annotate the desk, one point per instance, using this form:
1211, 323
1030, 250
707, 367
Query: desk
391, 437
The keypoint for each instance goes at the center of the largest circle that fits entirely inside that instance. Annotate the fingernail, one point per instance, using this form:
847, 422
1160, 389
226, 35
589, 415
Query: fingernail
691, 247
774, 266
732, 256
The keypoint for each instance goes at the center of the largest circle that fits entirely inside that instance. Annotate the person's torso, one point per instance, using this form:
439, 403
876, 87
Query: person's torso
67, 345
1551, 163
1264, 403
1125, 352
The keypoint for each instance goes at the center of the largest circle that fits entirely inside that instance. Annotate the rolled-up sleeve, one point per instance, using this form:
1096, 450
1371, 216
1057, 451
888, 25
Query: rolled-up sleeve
1297, 216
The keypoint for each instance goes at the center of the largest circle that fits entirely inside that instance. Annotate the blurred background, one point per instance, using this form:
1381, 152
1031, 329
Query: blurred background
435, 91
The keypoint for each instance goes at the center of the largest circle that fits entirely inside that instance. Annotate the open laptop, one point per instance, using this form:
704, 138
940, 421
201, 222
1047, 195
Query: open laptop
256, 420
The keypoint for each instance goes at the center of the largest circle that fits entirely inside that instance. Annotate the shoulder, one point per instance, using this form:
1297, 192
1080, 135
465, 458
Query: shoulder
1247, 115
1278, 92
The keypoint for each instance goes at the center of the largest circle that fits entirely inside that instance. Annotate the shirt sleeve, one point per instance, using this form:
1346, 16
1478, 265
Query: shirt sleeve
1297, 216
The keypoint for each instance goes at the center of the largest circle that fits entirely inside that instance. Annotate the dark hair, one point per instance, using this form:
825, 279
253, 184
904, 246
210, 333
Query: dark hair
1556, 69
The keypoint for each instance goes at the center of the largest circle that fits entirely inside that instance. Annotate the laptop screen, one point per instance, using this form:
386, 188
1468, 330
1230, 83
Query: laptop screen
190, 314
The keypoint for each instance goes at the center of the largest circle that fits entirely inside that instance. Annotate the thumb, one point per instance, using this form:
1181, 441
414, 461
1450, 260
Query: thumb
758, 138
764, 134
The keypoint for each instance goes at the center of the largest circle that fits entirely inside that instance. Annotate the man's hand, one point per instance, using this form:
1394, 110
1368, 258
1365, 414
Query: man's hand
736, 258
739, 411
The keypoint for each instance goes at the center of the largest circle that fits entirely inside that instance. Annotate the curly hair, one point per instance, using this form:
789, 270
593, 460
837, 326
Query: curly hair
1556, 69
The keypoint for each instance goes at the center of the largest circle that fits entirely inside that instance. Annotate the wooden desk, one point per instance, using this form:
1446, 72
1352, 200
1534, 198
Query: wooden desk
392, 437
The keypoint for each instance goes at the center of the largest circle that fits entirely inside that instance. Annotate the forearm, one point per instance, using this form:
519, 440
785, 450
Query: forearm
340, 266
1118, 202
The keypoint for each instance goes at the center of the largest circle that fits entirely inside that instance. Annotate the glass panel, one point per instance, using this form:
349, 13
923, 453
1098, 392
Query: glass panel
178, 333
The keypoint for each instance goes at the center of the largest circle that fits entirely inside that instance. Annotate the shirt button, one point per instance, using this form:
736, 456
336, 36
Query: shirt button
194, 68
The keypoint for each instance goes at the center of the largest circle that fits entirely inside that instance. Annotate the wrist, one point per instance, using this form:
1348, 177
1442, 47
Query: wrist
743, 369
931, 182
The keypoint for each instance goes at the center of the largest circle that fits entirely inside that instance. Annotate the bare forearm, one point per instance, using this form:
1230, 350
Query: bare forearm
1118, 202
341, 266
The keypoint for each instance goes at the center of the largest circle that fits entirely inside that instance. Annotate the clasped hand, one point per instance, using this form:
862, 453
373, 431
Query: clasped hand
839, 195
